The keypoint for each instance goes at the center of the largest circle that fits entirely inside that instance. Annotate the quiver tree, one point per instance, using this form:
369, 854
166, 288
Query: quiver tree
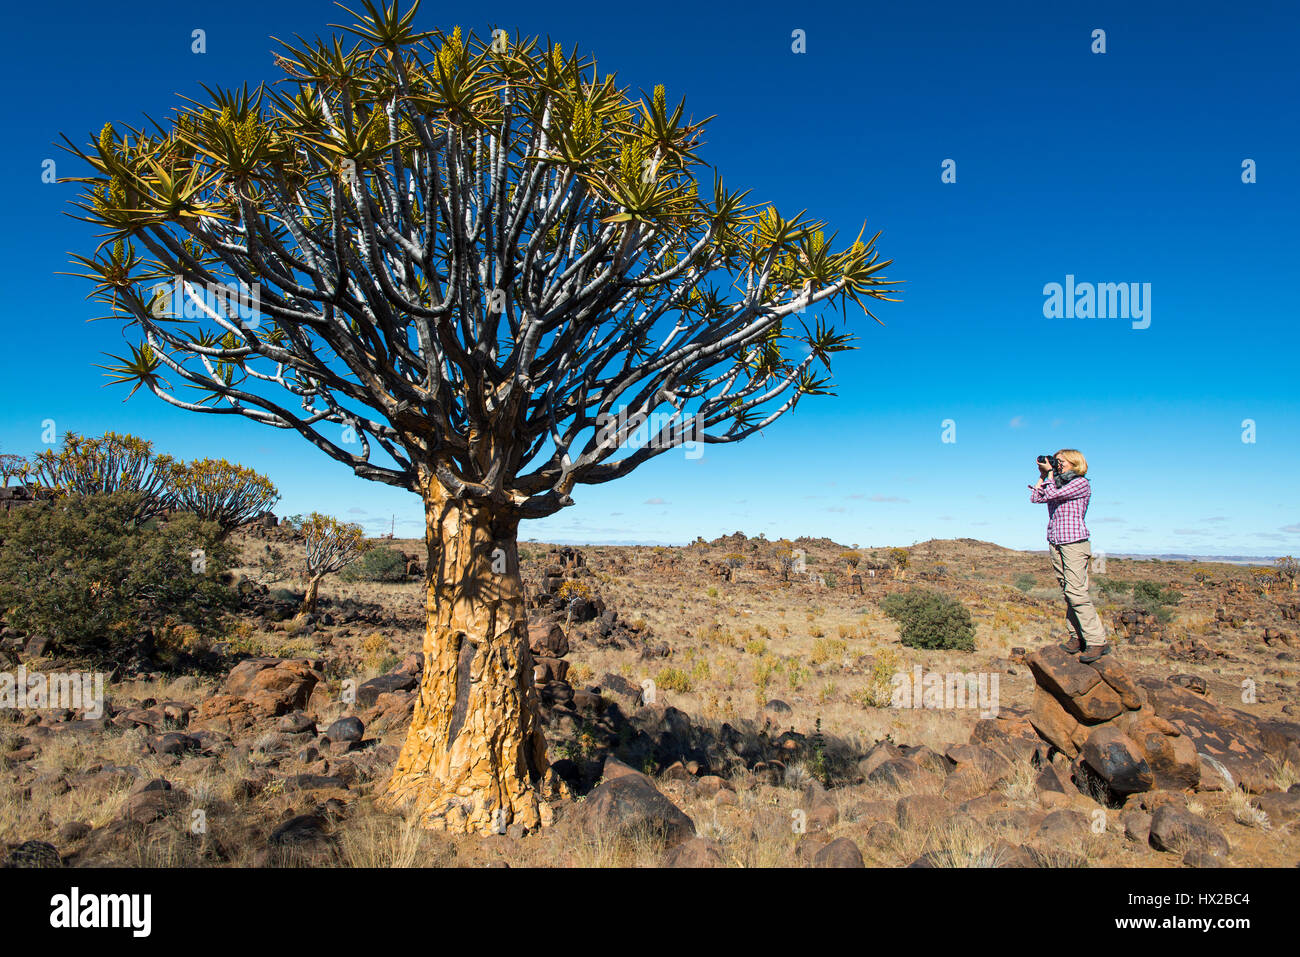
221, 492
480, 267
1285, 570
108, 465
13, 466
899, 559
788, 558
331, 546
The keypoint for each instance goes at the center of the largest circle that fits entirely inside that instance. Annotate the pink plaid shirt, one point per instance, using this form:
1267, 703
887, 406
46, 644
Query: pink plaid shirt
1066, 507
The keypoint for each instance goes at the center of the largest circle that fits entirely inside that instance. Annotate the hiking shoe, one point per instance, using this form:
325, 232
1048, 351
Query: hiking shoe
1094, 652
1074, 645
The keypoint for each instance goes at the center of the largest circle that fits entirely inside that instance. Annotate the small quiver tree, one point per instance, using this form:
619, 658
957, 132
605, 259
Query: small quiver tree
108, 465
899, 559
331, 546
1285, 571
13, 467
222, 492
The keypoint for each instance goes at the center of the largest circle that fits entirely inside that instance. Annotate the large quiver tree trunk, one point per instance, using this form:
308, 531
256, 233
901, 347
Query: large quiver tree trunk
475, 756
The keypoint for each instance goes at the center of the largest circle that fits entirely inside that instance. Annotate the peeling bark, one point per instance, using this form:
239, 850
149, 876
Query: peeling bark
475, 756
313, 590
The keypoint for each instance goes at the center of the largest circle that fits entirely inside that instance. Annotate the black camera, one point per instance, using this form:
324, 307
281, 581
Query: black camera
1050, 462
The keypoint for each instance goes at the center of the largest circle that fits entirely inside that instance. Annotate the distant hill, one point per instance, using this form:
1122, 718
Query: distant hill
936, 547
1221, 559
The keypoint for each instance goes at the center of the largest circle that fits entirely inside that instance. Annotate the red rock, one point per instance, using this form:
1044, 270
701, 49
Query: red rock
1120, 681
1053, 722
551, 669
697, 852
276, 686
629, 806
1061, 673
547, 639
1177, 829
1228, 736
1172, 757
1051, 780
225, 713
1101, 703
841, 852
1119, 762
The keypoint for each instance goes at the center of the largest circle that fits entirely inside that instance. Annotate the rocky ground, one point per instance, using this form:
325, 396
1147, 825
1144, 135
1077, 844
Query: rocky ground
704, 706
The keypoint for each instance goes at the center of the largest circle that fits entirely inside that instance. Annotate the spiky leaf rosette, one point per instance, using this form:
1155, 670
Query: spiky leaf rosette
106, 465
463, 256
223, 492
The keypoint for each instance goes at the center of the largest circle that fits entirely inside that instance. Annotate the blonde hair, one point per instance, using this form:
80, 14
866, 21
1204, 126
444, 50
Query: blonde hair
1077, 462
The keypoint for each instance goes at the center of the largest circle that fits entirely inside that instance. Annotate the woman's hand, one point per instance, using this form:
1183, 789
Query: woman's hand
1043, 468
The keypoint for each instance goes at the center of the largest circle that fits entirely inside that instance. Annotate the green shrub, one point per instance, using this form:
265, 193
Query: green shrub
378, 564
1110, 587
1025, 582
674, 679
1151, 595
86, 574
930, 619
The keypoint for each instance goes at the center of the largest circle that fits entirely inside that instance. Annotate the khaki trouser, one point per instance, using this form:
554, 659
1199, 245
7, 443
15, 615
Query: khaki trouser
1070, 562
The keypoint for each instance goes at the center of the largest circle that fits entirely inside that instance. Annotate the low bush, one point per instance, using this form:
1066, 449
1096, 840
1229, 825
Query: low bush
930, 619
379, 564
674, 679
86, 573
1112, 587
1151, 595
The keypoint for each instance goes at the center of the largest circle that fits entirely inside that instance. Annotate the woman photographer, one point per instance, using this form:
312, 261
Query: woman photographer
1064, 489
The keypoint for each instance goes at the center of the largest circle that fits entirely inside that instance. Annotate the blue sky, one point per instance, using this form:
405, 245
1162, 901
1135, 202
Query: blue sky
1117, 167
